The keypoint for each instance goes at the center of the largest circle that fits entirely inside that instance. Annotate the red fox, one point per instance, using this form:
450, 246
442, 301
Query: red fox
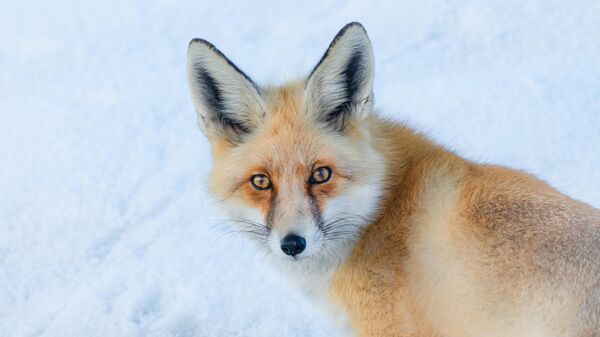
393, 234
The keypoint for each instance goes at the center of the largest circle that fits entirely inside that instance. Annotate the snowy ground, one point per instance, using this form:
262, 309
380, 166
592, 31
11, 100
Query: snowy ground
105, 226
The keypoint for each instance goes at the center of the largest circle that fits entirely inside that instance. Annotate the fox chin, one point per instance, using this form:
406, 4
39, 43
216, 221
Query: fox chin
393, 234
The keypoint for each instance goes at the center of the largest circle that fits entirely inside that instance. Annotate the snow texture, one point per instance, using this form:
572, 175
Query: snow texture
106, 228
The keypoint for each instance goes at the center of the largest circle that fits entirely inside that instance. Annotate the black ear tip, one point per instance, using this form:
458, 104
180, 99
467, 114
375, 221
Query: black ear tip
196, 42
355, 29
354, 24
351, 26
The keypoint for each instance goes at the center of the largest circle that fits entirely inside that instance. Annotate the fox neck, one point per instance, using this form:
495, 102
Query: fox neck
400, 147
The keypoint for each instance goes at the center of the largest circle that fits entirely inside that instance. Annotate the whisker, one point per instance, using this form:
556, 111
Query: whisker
256, 231
340, 229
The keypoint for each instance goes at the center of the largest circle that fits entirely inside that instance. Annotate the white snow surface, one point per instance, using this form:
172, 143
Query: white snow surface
106, 228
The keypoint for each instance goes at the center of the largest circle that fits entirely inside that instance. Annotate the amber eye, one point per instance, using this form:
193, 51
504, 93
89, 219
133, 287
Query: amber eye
320, 175
260, 182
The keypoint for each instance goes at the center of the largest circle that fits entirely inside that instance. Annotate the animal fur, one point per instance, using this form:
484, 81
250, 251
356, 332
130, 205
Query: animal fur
407, 238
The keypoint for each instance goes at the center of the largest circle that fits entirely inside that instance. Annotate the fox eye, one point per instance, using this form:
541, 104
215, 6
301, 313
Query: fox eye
260, 182
320, 175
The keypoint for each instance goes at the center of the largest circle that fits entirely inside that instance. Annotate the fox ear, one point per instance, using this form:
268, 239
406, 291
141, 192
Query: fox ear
340, 87
229, 105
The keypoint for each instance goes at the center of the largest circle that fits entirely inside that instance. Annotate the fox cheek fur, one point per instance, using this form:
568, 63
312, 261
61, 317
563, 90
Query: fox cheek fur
285, 133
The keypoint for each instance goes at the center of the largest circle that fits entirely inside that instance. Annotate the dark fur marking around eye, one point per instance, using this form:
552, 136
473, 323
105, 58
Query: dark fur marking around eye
271, 212
314, 208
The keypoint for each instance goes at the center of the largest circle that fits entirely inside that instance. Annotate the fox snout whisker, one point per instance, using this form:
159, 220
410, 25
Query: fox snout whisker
342, 226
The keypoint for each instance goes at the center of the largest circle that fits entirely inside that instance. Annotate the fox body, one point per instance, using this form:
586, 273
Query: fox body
392, 233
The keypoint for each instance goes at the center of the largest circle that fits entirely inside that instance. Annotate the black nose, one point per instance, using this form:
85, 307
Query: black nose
293, 244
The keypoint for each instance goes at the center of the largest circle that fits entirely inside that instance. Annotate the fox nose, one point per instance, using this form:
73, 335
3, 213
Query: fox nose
293, 244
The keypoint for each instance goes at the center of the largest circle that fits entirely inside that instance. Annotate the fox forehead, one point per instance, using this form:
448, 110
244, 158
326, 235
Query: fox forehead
282, 121
287, 148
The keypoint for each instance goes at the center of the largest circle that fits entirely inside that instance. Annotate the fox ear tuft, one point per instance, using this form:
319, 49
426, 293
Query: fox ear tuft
340, 87
229, 105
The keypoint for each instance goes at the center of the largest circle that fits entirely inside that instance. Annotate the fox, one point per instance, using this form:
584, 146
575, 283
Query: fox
384, 230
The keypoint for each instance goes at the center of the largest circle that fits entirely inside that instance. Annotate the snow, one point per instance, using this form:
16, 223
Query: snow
106, 227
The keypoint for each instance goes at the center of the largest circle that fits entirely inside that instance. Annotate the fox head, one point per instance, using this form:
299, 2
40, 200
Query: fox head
294, 165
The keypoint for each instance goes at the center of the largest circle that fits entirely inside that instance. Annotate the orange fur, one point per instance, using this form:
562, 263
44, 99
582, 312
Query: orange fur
450, 248
487, 226
504, 243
